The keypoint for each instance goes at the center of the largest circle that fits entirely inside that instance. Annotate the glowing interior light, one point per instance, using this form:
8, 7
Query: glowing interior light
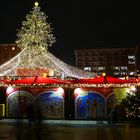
60, 90
9, 89
78, 90
44, 74
133, 89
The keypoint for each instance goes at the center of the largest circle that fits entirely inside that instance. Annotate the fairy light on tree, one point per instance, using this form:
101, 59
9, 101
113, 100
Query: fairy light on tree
35, 35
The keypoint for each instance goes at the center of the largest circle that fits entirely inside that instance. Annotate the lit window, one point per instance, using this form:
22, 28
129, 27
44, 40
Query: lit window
131, 62
116, 68
124, 68
132, 73
131, 57
13, 48
101, 68
87, 68
123, 73
116, 73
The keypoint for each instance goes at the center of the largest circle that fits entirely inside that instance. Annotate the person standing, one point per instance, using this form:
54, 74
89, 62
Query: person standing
30, 114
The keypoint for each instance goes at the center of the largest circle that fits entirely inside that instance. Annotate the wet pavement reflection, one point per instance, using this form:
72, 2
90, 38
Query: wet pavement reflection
120, 131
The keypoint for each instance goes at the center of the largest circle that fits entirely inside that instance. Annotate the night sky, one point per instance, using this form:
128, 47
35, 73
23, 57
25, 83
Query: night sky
77, 23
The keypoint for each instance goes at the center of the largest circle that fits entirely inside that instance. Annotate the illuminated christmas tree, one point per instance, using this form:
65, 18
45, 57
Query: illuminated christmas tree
34, 38
35, 35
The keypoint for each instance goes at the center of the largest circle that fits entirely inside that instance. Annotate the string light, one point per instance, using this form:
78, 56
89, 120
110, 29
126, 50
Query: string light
47, 60
67, 84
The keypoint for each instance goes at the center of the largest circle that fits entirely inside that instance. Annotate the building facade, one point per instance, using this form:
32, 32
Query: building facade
118, 62
138, 59
8, 51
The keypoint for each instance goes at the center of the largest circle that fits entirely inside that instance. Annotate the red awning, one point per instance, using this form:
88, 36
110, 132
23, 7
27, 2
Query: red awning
99, 80
38, 80
46, 80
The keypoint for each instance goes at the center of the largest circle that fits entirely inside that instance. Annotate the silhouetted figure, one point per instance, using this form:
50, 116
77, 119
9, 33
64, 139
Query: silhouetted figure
30, 113
38, 113
38, 122
114, 115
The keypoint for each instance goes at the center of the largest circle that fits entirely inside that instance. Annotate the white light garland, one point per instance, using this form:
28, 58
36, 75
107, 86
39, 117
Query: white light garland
47, 60
109, 85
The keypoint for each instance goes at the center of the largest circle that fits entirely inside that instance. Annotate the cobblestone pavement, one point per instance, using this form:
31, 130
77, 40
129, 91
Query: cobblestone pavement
120, 131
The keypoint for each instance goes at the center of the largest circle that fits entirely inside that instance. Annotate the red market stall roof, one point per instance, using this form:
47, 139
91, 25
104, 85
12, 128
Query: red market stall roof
38, 80
102, 80
7, 81
133, 80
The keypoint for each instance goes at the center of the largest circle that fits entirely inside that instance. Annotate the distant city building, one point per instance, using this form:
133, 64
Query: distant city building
138, 59
118, 62
8, 51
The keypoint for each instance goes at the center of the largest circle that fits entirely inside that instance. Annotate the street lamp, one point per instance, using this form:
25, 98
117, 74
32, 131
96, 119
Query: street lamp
104, 75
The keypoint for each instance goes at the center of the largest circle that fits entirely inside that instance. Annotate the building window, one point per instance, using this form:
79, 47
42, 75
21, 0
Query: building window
116, 73
131, 59
95, 68
87, 68
101, 68
116, 68
124, 68
131, 73
123, 73
13, 48
131, 62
